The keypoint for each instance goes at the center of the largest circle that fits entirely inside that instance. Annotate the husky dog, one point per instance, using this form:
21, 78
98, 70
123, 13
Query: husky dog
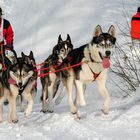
51, 81
93, 59
30, 60
19, 78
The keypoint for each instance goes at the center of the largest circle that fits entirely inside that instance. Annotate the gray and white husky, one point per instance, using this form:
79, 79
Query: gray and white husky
51, 81
19, 78
93, 59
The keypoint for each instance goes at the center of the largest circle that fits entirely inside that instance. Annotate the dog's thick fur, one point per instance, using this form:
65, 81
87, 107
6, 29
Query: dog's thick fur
23, 78
91, 55
50, 82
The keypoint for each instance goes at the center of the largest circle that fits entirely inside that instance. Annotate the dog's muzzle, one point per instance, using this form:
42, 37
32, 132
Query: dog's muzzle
107, 55
20, 86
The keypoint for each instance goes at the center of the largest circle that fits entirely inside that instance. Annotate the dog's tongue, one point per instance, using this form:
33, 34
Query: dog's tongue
106, 63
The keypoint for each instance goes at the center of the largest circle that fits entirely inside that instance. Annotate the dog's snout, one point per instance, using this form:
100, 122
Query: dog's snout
20, 84
108, 53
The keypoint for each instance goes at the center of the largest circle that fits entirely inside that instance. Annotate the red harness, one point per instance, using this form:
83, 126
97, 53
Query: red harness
95, 75
13, 82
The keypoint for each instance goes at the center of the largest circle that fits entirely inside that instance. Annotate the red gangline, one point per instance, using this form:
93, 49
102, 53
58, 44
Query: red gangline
65, 68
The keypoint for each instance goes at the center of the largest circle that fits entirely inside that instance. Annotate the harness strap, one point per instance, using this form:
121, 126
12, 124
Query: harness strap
58, 70
13, 82
95, 75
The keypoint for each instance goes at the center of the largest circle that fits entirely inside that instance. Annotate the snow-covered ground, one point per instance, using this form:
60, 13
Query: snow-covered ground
37, 24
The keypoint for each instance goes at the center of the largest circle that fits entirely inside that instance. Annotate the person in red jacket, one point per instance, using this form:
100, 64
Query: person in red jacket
135, 26
6, 37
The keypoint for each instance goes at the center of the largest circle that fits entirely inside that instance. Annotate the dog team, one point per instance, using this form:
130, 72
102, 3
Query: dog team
74, 67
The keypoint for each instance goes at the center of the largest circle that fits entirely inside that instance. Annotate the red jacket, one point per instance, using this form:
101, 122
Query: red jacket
135, 26
8, 33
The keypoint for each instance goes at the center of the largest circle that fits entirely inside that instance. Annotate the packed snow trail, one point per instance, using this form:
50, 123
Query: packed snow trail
37, 25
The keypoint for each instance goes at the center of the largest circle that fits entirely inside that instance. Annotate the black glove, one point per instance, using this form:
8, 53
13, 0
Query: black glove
9, 46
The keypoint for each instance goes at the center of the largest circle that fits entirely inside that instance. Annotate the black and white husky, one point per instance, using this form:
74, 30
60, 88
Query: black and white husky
19, 78
29, 60
51, 81
93, 59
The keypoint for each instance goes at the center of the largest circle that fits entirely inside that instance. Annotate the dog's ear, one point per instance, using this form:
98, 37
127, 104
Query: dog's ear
68, 38
31, 54
98, 31
15, 60
112, 31
59, 39
22, 54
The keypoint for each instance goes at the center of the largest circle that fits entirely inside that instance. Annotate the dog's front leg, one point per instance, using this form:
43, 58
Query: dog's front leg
28, 96
101, 80
80, 100
12, 98
50, 102
44, 95
69, 87
1, 108
22, 103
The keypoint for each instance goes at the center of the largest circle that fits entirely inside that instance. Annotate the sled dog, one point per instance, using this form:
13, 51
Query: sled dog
93, 59
19, 78
51, 81
30, 60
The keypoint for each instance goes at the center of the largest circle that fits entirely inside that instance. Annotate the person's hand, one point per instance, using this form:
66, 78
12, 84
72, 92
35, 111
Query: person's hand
9, 46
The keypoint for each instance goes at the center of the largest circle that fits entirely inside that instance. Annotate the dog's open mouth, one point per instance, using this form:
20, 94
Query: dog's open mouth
104, 56
21, 88
105, 61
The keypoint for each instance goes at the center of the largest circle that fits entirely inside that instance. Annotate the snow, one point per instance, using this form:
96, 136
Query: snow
37, 24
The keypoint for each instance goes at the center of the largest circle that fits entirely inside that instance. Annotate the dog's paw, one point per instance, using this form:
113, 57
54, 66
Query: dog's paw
50, 111
28, 112
73, 110
104, 111
43, 110
76, 115
15, 121
50, 106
